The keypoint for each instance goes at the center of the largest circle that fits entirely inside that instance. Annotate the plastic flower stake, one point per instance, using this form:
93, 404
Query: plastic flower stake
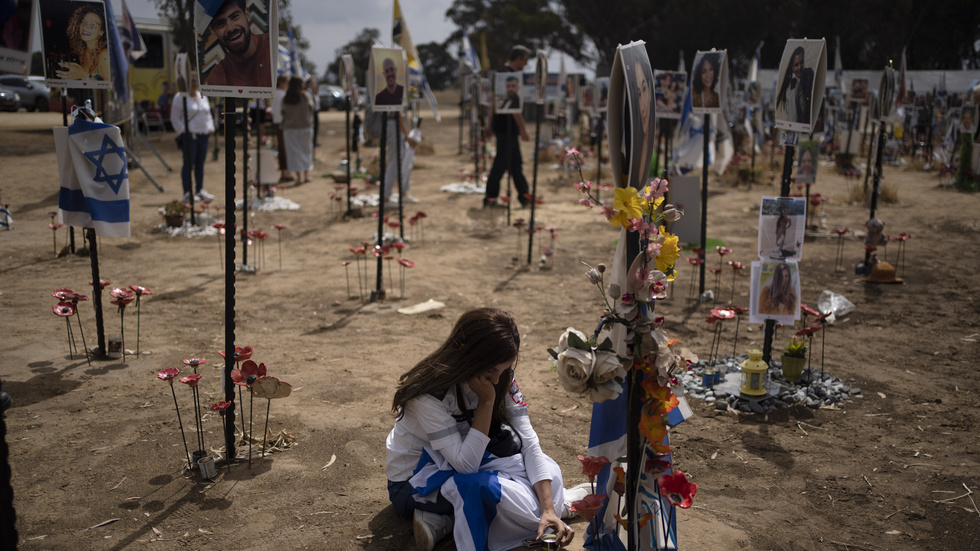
191, 381
67, 295
220, 407
66, 310
220, 227
246, 376
404, 264
279, 228
168, 375
269, 388
54, 235
346, 264
140, 291
123, 298
736, 266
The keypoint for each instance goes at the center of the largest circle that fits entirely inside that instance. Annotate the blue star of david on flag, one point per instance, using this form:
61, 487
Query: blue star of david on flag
98, 157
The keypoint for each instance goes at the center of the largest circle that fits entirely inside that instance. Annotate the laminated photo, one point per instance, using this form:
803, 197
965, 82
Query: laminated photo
75, 41
237, 47
800, 84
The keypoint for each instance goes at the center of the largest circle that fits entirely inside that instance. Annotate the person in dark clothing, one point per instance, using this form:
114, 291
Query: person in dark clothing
508, 129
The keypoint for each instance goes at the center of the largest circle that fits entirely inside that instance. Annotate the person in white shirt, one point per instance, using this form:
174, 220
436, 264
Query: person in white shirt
462, 444
194, 133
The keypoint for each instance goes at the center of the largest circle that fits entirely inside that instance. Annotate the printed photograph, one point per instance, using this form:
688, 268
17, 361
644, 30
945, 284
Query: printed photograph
76, 44
236, 41
782, 223
708, 82
390, 75
671, 86
507, 93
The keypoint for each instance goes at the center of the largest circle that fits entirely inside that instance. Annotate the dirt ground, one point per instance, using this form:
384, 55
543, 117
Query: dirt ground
100, 442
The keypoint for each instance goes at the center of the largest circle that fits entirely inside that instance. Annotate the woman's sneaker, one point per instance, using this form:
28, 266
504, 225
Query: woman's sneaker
429, 528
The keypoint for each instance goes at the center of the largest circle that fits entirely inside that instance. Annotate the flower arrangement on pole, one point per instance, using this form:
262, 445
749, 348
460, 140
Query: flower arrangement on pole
630, 352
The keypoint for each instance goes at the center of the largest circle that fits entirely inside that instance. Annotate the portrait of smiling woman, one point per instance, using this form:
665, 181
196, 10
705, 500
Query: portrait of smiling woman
87, 42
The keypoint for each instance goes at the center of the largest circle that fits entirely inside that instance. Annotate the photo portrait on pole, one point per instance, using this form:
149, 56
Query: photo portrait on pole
507, 93
16, 26
639, 88
601, 94
671, 87
800, 84
709, 82
237, 45
775, 292
782, 225
388, 71
75, 40
808, 152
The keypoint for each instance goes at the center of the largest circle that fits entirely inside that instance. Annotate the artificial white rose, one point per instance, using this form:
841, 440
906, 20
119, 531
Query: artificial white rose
563, 339
609, 390
574, 369
607, 366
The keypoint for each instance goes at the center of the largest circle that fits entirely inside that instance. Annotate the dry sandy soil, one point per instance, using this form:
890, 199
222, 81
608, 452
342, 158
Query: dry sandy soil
100, 442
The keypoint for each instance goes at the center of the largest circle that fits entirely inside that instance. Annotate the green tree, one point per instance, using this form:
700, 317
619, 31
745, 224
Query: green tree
360, 50
537, 24
441, 67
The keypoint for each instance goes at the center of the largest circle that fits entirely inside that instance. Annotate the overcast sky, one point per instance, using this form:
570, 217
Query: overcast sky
331, 24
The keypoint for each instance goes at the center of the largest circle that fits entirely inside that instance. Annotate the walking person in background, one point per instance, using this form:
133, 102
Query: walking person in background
282, 81
297, 129
194, 136
508, 156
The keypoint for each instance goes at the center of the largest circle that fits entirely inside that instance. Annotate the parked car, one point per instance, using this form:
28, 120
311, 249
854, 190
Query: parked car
9, 99
332, 97
34, 95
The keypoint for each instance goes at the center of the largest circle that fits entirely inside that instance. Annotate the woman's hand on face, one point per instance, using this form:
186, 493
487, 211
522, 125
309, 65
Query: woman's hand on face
564, 532
483, 388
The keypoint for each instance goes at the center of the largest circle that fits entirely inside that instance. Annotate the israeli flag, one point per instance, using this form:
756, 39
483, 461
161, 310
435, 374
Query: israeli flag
204, 12
470, 59
94, 177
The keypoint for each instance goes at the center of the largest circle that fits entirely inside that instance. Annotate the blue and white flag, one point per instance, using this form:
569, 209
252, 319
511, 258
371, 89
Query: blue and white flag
204, 12
289, 58
117, 58
131, 40
470, 59
94, 177
6, 220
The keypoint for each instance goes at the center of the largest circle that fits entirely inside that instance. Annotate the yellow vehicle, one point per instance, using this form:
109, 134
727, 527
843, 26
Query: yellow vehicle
156, 66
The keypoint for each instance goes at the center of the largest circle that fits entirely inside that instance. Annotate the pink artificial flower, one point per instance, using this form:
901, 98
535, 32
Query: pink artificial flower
589, 507
248, 374
406, 262
191, 380
585, 202
168, 373
220, 406
572, 152
241, 354
723, 250
63, 309
140, 290
608, 211
592, 465
279, 227
194, 362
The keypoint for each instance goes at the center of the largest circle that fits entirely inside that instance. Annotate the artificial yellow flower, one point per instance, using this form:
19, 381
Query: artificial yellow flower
628, 205
669, 253
652, 426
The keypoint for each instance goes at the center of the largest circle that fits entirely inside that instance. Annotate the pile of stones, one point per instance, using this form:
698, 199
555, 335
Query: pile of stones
812, 389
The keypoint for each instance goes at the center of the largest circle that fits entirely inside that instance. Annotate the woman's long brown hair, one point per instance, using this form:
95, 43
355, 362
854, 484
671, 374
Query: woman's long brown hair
480, 340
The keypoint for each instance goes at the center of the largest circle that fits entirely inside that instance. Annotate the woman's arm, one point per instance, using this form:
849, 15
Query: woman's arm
549, 519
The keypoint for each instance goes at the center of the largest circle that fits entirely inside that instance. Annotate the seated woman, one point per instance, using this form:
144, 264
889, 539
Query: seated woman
463, 445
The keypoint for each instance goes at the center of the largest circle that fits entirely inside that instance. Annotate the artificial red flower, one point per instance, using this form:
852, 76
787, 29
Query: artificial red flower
678, 491
519, 223
592, 465
588, 507
398, 246
808, 331
279, 227
67, 295
140, 290
406, 262
840, 231
120, 293
722, 250
394, 224
620, 486
723, 313
711, 319
658, 466
739, 310
697, 250
357, 250
808, 311
248, 374
63, 309
736, 265
54, 225
194, 362
695, 261
220, 406
660, 399
102, 283
715, 270
191, 380
241, 354
901, 237
168, 373
345, 263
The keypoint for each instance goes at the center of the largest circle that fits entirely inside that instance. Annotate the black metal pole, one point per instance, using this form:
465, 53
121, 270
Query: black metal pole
259, 115
704, 204
398, 172
867, 172
96, 289
244, 181
462, 108
383, 162
534, 182
876, 181
510, 157
634, 405
64, 122
226, 383
770, 328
